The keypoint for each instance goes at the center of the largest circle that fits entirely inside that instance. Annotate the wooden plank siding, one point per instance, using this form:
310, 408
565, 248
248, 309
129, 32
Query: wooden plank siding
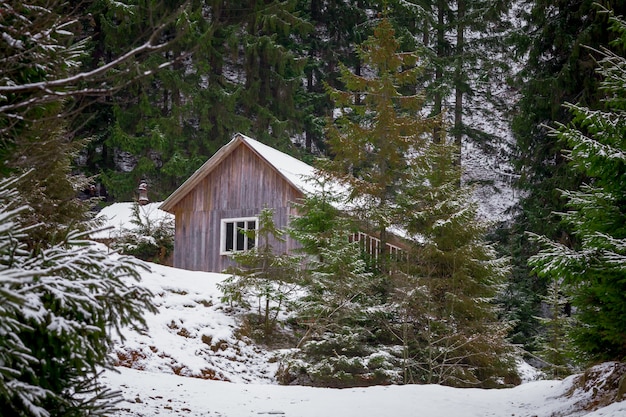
241, 185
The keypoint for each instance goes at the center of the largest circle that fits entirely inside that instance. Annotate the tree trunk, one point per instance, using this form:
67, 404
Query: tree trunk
458, 81
440, 48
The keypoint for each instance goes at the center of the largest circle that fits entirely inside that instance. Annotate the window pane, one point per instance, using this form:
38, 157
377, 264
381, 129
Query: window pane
251, 226
229, 236
240, 235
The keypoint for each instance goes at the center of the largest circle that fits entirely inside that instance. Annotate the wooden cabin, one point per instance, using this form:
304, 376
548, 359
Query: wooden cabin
225, 195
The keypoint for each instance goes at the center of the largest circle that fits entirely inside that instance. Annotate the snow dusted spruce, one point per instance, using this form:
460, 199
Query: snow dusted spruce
592, 265
60, 306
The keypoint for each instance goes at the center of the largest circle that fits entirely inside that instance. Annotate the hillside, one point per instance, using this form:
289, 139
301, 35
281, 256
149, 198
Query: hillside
193, 346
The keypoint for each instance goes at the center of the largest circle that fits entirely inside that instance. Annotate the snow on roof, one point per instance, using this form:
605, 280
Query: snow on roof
293, 169
300, 174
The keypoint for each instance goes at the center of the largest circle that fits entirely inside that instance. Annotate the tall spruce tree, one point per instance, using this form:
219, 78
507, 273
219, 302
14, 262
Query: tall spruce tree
592, 264
148, 129
379, 127
399, 178
559, 68
272, 70
43, 88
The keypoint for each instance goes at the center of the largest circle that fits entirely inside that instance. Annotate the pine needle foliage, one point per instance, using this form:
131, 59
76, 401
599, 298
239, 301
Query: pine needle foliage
379, 127
61, 308
592, 266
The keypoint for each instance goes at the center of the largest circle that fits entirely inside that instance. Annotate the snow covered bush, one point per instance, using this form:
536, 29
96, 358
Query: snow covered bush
151, 239
60, 306
339, 360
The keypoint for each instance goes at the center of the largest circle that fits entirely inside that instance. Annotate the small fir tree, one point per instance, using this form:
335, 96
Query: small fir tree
262, 274
150, 240
318, 217
555, 346
335, 349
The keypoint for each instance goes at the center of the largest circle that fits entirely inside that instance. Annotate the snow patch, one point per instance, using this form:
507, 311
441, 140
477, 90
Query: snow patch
179, 367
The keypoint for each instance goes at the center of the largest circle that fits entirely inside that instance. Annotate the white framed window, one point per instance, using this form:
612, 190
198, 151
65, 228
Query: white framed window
234, 236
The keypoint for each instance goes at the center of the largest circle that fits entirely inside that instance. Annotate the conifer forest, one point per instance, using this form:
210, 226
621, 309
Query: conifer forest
394, 99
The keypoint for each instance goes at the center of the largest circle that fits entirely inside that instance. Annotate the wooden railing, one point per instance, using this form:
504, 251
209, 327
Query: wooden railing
372, 246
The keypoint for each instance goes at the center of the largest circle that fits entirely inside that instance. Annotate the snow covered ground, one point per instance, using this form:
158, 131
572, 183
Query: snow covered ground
193, 347
149, 394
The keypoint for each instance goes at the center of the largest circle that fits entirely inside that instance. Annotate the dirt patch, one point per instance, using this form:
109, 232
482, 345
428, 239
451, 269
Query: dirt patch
129, 359
600, 386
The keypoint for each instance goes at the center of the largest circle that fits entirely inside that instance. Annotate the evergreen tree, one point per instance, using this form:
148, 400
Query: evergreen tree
62, 300
60, 309
336, 347
592, 263
150, 240
271, 69
559, 68
39, 54
378, 129
444, 292
42, 51
399, 178
49, 187
555, 346
318, 216
42, 90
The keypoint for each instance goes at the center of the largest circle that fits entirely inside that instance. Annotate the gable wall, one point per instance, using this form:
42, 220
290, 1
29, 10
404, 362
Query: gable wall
240, 186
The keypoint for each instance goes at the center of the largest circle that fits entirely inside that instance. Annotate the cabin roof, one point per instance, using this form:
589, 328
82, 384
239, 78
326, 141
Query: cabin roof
294, 171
